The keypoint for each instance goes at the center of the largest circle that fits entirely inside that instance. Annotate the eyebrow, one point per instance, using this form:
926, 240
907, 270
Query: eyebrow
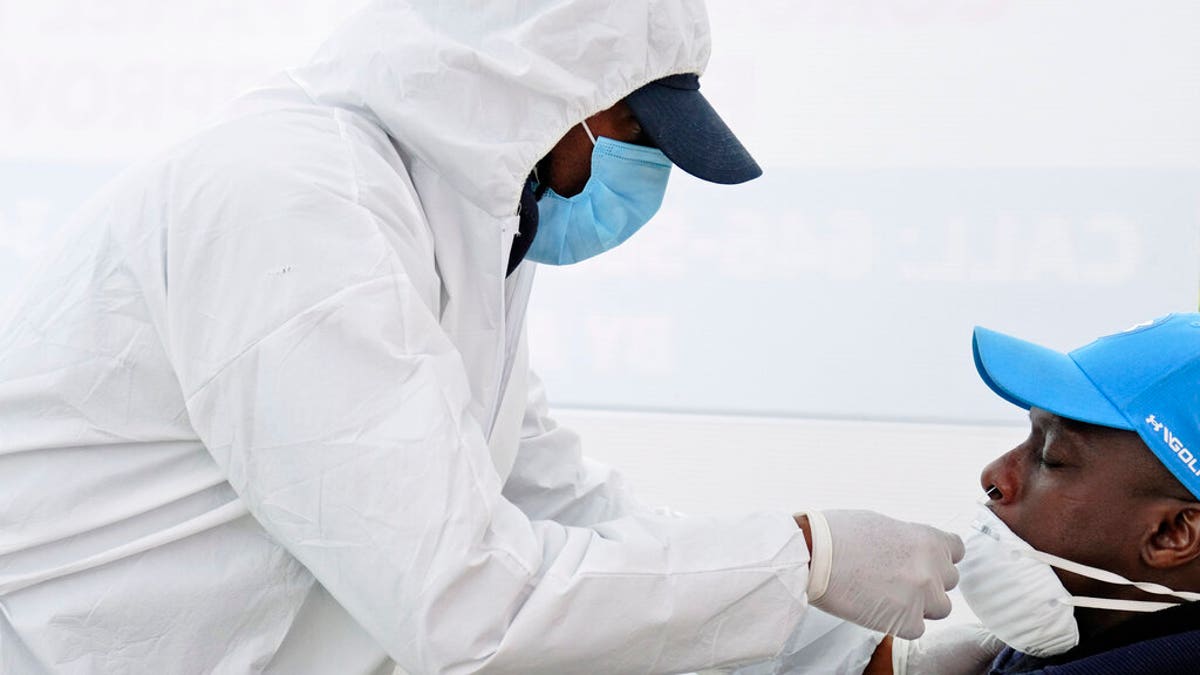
1068, 435
1052, 421
1045, 420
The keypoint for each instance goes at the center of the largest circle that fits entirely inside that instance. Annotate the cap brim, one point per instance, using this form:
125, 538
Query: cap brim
683, 124
1030, 375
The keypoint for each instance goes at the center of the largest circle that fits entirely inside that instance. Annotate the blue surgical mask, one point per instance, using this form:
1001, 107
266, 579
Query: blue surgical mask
625, 190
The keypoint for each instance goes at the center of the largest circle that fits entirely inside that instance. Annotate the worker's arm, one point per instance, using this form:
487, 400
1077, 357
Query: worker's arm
551, 478
821, 645
317, 375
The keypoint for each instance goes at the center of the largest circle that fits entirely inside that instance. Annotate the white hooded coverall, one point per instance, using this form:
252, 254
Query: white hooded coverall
267, 408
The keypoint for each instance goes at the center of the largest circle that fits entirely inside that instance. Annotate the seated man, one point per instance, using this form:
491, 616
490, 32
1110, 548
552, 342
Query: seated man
1107, 484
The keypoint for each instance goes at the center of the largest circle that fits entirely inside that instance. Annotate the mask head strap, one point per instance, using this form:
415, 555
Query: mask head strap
1110, 578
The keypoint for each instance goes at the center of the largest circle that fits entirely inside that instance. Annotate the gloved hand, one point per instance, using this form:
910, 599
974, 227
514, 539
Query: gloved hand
965, 649
880, 573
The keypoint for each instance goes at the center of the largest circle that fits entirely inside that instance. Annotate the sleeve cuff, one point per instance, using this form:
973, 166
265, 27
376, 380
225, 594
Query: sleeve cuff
822, 556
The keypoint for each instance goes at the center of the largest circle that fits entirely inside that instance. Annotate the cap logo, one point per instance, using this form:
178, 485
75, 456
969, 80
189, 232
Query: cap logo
1147, 324
1185, 456
1143, 324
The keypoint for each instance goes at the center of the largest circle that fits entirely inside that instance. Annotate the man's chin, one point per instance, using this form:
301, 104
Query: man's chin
1006, 516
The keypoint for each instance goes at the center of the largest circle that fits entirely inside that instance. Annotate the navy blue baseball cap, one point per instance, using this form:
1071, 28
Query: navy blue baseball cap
682, 123
1145, 379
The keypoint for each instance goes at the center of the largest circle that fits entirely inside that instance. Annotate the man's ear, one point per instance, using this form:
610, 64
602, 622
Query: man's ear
1177, 540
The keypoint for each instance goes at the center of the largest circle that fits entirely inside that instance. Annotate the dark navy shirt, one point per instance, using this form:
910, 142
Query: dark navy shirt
1166, 642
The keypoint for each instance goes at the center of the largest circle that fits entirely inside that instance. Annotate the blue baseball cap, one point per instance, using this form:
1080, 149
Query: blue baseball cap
1144, 379
682, 123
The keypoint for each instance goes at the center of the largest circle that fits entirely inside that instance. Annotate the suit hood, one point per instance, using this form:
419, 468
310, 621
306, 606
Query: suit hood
481, 90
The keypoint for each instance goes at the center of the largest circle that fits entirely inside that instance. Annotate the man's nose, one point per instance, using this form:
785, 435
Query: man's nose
1000, 479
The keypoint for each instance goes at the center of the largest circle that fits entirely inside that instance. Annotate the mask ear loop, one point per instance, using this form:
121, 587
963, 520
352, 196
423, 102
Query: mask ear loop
1117, 605
1110, 578
588, 129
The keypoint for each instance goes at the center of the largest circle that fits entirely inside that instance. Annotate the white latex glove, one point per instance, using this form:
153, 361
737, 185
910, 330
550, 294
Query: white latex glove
966, 649
881, 573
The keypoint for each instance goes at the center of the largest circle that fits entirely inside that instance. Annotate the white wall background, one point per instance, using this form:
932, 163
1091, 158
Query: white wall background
931, 165
1033, 166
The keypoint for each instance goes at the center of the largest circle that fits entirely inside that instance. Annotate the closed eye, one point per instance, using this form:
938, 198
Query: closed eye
1047, 462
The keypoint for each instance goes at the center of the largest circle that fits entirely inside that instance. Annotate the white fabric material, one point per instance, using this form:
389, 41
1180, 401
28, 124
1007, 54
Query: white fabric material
821, 645
257, 413
966, 649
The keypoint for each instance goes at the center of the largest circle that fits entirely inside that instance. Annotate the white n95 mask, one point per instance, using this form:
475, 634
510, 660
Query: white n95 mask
1012, 588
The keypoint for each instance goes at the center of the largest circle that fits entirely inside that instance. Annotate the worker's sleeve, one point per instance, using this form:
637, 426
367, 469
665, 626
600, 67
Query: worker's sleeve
551, 479
820, 645
322, 384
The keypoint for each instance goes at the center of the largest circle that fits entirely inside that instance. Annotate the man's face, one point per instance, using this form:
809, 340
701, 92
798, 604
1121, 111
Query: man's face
569, 165
1081, 492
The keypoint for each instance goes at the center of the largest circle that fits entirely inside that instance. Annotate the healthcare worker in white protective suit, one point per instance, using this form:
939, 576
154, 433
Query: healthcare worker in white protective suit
268, 408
